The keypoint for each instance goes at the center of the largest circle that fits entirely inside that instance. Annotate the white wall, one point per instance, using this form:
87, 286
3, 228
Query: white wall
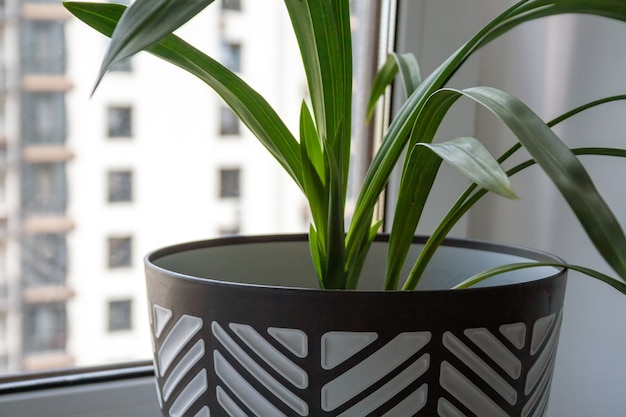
552, 65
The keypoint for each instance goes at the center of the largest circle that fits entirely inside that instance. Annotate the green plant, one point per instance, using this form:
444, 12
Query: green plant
318, 161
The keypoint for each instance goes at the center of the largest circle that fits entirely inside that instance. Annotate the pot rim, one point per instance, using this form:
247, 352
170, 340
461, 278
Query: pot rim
473, 244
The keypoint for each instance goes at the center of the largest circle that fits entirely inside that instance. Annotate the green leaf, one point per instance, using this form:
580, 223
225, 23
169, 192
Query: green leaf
322, 28
475, 279
557, 161
565, 171
416, 183
310, 141
473, 160
316, 254
410, 74
313, 172
146, 22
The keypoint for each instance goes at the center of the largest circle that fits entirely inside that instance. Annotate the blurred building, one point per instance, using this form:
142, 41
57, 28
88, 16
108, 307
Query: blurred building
89, 185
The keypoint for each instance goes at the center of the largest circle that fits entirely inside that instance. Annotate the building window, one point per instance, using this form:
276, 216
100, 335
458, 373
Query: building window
43, 44
43, 118
230, 183
120, 315
44, 327
120, 186
229, 122
231, 4
119, 122
44, 188
44, 259
231, 55
230, 230
120, 252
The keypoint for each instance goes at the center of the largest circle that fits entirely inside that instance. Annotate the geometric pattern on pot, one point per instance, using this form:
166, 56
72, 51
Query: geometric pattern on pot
168, 360
482, 354
475, 364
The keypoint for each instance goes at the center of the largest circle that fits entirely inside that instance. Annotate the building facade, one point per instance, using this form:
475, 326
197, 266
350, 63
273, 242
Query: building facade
89, 185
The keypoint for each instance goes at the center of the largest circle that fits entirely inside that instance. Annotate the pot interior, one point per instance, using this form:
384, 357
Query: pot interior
284, 261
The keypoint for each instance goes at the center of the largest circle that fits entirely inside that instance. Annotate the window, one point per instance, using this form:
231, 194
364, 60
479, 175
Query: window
120, 252
44, 188
43, 46
44, 327
120, 186
120, 315
43, 118
229, 183
231, 4
229, 123
231, 55
180, 148
44, 259
230, 230
119, 122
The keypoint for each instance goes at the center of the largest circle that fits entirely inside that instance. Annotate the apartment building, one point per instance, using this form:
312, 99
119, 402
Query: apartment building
88, 185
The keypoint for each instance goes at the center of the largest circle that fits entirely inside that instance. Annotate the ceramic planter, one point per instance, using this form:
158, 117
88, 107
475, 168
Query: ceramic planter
240, 330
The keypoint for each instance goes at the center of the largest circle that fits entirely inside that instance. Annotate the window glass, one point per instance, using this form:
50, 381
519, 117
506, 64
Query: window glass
120, 315
119, 122
229, 183
120, 252
43, 46
231, 4
45, 327
229, 123
71, 270
231, 55
43, 118
120, 186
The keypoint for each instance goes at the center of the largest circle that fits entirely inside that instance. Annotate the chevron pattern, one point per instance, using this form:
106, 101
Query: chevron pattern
173, 338
281, 387
479, 358
259, 372
376, 366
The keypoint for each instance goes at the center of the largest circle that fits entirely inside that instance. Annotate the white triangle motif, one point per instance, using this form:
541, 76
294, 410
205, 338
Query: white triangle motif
161, 316
293, 339
339, 346
515, 333
541, 330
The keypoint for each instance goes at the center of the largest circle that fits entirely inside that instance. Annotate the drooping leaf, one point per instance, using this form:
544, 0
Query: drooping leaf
565, 171
481, 276
145, 23
473, 160
557, 161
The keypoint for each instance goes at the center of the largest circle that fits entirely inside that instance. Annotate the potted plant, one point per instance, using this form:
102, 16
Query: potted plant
238, 328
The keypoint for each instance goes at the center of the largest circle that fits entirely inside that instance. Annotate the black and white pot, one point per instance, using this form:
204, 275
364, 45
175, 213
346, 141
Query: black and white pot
240, 330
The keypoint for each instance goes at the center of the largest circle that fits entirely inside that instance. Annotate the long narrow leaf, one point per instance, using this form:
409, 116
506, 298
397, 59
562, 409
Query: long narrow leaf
397, 135
559, 163
146, 22
414, 191
475, 279
473, 160
404, 64
565, 171
313, 171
